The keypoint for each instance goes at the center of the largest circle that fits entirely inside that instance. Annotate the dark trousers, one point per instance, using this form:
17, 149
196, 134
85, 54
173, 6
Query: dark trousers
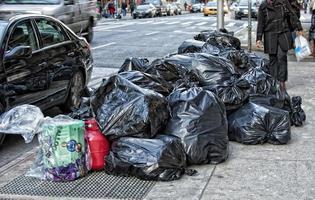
278, 65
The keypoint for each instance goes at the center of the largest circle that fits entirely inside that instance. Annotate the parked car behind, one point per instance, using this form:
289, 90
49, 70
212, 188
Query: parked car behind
241, 9
170, 10
197, 7
211, 8
44, 63
177, 9
157, 4
147, 10
80, 16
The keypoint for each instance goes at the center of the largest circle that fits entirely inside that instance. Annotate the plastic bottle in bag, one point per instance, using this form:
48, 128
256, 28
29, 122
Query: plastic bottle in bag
98, 145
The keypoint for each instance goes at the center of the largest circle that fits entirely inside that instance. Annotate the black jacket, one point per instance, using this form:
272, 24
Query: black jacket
274, 23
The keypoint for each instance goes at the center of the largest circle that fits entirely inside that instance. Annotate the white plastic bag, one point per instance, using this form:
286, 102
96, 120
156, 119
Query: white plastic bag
302, 48
24, 120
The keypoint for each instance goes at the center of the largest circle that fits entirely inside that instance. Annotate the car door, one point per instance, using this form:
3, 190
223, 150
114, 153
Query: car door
26, 77
59, 52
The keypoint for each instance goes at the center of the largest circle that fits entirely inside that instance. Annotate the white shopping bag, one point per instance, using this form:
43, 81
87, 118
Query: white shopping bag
302, 48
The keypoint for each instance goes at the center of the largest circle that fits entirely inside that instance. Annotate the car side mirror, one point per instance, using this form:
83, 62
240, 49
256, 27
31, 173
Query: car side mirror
18, 52
69, 2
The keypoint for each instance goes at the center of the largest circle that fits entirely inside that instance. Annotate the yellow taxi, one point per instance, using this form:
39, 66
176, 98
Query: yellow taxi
211, 8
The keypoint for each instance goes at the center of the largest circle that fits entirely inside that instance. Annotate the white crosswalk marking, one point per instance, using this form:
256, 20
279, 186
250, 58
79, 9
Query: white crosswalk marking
161, 22
170, 23
104, 45
147, 22
201, 23
187, 23
155, 32
109, 27
214, 25
230, 24
186, 32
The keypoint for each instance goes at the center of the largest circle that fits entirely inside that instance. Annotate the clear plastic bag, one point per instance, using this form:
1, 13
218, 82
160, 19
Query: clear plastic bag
302, 48
61, 155
24, 120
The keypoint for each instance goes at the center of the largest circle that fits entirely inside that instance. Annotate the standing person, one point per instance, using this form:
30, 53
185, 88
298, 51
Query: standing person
273, 17
111, 8
312, 28
305, 2
296, 7
132, 7
185, 5
124, 8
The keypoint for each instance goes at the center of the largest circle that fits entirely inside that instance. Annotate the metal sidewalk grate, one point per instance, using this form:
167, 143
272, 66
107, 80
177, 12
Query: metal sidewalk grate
94, 185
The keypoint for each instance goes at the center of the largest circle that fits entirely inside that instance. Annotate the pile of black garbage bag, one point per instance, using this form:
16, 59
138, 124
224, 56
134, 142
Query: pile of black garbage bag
183, 109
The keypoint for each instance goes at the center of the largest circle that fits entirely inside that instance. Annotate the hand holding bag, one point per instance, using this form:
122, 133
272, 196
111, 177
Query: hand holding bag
302, 48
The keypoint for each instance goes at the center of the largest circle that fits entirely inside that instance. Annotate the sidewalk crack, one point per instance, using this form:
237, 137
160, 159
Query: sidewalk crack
203, 190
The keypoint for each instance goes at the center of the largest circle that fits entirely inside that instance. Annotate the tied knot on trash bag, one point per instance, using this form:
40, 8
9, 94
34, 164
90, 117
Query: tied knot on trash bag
298, 116
219, 39
148, 81
134, 64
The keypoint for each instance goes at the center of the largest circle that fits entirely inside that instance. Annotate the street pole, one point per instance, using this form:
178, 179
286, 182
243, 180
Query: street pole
249, 26
220, 14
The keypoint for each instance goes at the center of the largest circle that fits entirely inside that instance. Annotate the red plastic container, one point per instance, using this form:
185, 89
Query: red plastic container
98, 145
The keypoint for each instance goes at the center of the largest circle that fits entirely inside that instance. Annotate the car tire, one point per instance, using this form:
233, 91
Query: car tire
2, 136
90, 33
76, 89
205, 15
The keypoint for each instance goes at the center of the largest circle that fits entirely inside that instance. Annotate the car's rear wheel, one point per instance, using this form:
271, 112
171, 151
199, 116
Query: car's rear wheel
89, 36
75, 93
205, 15
2, 136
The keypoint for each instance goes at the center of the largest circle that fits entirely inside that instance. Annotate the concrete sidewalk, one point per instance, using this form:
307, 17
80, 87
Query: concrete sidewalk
251, 172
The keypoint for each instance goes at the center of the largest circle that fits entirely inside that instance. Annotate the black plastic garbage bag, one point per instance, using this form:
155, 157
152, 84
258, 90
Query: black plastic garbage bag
258, 62
298, 116
84, 112
161, 159
198, 118
258, 124
261, 82
124, 109
219, 76
134, 64
148, 81
195, 46
238, 57
174, 70
219, 39
191, 46
265, 90
216, 74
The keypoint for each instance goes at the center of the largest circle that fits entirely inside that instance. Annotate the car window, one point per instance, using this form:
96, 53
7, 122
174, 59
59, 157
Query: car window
51, 33
211, 4
22, 35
